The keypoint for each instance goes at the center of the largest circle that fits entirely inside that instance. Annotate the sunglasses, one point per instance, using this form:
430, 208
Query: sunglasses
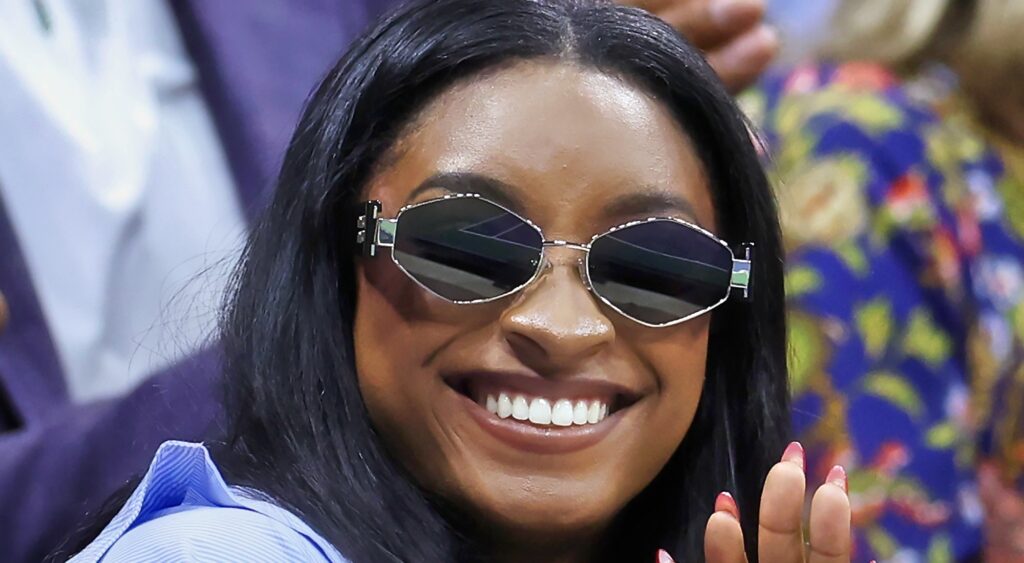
467, 249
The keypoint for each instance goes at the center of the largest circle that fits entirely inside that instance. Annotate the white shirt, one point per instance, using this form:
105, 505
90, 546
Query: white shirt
116, 185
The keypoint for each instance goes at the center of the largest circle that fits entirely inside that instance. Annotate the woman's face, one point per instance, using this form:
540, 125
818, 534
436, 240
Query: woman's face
577, 152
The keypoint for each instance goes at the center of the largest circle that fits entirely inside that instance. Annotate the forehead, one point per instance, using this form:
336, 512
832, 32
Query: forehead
569, 143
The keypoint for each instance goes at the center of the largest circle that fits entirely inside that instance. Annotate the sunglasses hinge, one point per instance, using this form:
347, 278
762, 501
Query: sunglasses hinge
366, 228
741, 271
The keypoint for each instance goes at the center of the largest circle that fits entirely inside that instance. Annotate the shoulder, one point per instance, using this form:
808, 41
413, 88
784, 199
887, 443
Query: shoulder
881, 125
212, 534
860, 150
183, 510
865, 94
858, 117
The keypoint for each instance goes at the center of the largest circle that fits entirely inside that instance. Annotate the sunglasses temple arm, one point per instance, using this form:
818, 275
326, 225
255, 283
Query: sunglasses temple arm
372, 232
741, 271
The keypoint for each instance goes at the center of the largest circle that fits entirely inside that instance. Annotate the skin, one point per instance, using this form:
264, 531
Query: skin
557, 135
1004, 509
3, 312
730, 32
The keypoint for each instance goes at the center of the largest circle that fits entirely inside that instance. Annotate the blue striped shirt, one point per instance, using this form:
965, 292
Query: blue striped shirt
184, 511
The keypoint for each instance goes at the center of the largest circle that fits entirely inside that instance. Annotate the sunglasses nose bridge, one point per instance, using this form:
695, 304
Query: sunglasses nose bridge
547, 265
581, 262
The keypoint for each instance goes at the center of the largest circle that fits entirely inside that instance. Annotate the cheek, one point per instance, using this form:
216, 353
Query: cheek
390, 377
398, 329
679, 358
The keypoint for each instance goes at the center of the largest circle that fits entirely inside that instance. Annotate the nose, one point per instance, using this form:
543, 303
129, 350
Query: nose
556, 322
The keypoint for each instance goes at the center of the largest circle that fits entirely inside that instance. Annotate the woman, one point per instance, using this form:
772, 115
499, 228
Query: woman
901, 183
426, 362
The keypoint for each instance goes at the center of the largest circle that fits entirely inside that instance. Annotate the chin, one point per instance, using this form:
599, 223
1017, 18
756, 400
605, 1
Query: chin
540, 510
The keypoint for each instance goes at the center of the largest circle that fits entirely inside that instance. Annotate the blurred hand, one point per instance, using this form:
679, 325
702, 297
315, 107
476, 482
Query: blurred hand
730, 32
1004, 516
781, 527
3, 312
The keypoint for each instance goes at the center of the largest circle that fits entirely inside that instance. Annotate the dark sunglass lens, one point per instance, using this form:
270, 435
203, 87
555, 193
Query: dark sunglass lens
659, 271
466, 248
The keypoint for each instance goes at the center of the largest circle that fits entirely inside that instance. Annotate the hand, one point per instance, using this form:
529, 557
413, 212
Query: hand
3, 312
781, 530
1004, 516
730, 32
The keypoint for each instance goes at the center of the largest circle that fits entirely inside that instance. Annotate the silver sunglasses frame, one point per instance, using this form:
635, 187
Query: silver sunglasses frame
374, 232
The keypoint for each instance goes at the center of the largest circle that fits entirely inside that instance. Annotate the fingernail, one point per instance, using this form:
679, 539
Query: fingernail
725, 11
794, 453
664, 557
837, 476
725, 503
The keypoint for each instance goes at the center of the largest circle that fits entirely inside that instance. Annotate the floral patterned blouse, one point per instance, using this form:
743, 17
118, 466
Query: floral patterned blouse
904, 224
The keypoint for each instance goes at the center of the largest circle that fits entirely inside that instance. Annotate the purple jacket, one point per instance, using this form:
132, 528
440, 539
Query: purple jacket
258, 61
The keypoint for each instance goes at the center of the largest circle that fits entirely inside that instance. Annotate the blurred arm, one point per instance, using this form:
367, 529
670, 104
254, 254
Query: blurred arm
731, 33
53, 476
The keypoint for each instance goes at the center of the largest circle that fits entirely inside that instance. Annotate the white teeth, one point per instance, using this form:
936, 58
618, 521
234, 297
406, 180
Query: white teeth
504, 406
520, 408
540, 411
561, 415
579, 414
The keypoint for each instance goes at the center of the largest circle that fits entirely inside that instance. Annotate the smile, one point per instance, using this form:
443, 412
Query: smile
544, 411
540, 415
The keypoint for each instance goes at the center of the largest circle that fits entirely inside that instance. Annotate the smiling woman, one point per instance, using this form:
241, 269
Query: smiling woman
561, 361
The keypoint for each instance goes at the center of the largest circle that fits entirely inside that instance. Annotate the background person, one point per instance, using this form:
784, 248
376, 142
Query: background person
898, 181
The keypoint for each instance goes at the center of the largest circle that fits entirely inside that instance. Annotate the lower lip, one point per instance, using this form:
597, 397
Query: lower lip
540, 440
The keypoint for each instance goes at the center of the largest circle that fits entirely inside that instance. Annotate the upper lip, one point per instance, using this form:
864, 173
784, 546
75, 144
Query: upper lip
579, 387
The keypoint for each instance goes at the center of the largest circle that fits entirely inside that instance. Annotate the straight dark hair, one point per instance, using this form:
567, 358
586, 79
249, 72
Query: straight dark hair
300, 432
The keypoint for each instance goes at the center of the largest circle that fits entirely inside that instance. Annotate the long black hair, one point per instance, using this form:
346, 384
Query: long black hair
299, 429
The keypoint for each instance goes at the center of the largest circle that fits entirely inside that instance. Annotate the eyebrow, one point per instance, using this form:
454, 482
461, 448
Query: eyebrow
471, 183
650, 201
645, 201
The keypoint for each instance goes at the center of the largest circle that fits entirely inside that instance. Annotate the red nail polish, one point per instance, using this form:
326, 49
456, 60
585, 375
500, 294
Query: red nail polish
794, 453
725, 503
837, 476
664, 557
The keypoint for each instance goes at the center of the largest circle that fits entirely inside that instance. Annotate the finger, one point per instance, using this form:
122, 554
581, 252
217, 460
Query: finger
741, 62
723, 537
712, 23
830, 520
780, 529
1000, 500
